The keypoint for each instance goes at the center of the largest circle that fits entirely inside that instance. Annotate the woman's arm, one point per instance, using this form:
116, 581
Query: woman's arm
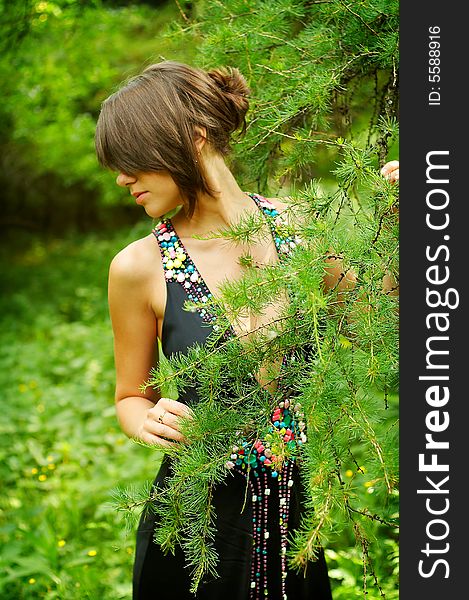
144, 416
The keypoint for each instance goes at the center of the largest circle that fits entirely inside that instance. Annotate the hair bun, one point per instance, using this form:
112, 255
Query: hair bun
231, 82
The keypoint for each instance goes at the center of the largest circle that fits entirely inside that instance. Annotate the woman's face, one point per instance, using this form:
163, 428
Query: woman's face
156, 192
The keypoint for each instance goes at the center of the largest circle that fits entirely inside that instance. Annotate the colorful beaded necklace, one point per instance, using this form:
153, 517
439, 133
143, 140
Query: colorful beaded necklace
276, 453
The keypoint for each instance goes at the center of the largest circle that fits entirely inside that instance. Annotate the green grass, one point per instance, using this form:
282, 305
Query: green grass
61, 449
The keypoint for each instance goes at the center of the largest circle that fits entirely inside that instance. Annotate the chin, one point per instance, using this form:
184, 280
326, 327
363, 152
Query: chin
166, 213
153, 210
152, 213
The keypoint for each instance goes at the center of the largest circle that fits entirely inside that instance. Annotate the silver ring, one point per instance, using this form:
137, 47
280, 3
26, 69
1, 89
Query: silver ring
161, 417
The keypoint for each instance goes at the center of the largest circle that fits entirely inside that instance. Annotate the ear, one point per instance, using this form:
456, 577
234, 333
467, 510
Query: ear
200, 137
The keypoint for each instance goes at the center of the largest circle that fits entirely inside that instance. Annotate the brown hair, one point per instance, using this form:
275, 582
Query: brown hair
149, 123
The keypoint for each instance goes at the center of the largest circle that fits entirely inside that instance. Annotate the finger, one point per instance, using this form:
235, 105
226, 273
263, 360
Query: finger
393, 176
164, 415
161, 415
171, 420
389, 166
162, 430
390, 171
154, 440
158, 413
175, 407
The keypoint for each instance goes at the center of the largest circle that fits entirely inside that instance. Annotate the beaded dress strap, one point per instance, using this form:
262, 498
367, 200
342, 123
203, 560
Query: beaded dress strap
283, 242
179, 267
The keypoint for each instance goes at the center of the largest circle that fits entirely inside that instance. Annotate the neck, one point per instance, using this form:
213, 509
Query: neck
226, 208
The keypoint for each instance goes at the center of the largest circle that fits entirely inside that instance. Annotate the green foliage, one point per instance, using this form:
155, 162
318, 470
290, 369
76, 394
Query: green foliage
169, 390
61, 450
317, 70
54, 80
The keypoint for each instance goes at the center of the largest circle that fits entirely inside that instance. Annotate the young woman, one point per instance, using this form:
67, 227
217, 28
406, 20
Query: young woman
166, 133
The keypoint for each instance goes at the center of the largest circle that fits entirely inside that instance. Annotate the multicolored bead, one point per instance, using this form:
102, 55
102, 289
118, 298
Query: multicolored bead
278, 450
282, 441
284, 243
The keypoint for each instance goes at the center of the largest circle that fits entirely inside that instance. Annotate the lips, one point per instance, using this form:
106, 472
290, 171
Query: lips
138, 195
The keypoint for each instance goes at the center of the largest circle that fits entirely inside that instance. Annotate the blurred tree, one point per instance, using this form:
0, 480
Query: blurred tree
63, 59
152, 3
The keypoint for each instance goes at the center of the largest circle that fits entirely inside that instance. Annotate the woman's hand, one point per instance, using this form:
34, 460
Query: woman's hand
390, 171
337, 278
161, 425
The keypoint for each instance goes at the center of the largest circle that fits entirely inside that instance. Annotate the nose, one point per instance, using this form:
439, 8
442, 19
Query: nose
122, 179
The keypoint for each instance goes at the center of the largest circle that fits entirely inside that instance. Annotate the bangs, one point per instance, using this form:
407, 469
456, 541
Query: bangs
121, 137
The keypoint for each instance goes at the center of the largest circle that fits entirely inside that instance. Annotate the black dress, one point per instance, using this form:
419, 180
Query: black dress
251, 544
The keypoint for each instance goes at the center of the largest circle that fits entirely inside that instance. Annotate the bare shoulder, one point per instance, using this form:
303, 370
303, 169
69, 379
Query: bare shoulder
137, 261
136, 276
